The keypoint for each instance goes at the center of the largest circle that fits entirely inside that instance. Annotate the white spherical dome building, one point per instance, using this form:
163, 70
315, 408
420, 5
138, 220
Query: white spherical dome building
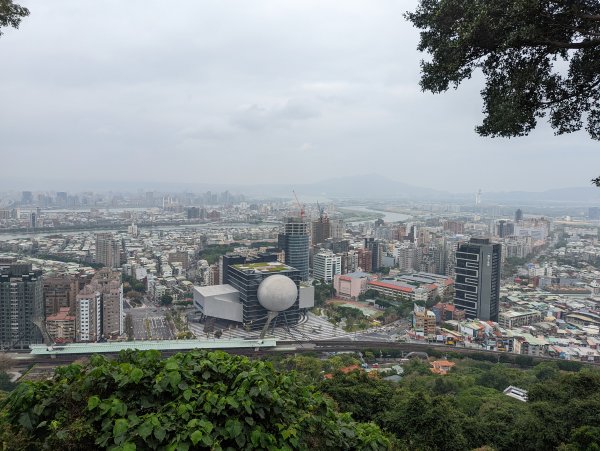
277, 293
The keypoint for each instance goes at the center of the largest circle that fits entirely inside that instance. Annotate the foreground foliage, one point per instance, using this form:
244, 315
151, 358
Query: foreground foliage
196, 400
467, 410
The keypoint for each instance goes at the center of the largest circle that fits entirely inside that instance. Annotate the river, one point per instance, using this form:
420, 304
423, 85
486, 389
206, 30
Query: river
388, 216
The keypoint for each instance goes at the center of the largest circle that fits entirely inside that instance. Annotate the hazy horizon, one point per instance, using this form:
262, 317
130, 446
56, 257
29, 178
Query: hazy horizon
230, 93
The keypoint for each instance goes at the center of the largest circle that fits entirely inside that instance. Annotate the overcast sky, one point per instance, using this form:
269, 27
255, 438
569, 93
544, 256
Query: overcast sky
249, 92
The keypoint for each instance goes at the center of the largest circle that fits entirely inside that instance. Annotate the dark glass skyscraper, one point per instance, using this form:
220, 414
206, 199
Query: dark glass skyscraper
294, 241
518, 215
246, 277
477, 283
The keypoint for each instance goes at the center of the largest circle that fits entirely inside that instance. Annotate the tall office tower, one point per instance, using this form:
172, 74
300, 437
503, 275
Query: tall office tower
21, 306
518, 215
59, 292
246, 277
193, 212
294, 241
326, 265
477, 284
61, 198
376, 249
26, 198
504, 229
108, 250
150, 199
320, 230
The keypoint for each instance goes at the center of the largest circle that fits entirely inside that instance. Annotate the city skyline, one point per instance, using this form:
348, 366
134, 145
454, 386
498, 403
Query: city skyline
202, 93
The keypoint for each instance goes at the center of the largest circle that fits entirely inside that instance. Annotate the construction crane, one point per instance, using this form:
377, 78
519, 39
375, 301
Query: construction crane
299, 205
321, 212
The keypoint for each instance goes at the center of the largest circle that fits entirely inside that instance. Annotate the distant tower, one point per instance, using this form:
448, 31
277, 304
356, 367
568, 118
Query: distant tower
518, 215
26, 198
478, 197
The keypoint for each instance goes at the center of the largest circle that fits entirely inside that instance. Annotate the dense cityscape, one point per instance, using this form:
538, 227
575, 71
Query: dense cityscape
464, 275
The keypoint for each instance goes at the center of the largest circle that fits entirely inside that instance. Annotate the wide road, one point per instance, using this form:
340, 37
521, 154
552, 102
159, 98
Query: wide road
149, 323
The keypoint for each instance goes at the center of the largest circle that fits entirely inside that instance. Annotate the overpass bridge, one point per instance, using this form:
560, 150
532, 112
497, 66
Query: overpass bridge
63, 354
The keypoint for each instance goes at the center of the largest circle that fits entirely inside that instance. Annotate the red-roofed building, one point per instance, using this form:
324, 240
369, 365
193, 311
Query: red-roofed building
447, 312
61, 326
350, 286
441, 367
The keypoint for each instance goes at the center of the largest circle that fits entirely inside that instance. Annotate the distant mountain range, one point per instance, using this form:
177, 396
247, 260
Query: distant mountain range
374, 186
364, 187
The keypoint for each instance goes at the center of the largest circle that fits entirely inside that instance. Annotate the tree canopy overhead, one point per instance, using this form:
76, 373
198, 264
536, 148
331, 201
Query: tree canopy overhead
11, 14
539, 58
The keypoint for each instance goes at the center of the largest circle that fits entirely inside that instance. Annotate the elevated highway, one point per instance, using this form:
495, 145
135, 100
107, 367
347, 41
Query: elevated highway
62, 356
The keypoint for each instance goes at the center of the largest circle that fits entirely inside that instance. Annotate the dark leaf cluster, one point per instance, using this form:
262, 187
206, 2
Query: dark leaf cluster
539, 58
11, 14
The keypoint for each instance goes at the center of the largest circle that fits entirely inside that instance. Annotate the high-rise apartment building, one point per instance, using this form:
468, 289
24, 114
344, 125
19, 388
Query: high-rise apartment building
365, 260
504, 229
477, 284
59, 292
326, 265
109, 284
21, 306
108, 250
88, 314
294, 241
99, 311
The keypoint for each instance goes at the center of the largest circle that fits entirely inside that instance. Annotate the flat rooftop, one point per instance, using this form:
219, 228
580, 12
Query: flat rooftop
268, 267
215, 290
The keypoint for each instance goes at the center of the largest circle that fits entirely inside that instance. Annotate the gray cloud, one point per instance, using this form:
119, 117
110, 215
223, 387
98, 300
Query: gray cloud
150, 90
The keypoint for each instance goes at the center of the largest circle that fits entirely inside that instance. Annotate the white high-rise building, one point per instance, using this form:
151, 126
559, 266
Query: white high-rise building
88, 319
326, 265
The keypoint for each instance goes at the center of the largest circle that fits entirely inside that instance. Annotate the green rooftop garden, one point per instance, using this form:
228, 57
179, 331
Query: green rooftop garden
263, 267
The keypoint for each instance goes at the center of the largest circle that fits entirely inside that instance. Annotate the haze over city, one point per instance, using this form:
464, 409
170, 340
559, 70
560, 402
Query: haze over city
137, 94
